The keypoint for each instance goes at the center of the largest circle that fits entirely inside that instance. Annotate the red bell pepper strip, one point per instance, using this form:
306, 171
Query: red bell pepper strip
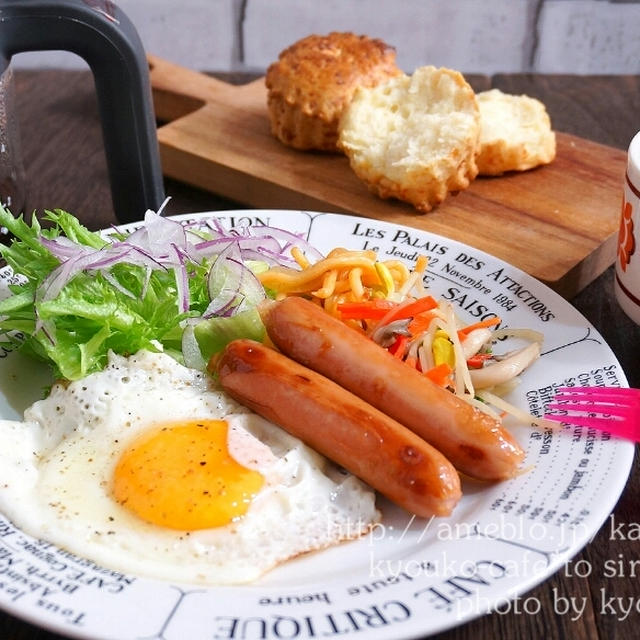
489, 322
440, 374
476, 361
399, 347
365, 310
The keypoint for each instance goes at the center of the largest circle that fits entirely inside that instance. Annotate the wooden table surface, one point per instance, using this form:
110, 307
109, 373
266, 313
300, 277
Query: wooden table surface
64, 158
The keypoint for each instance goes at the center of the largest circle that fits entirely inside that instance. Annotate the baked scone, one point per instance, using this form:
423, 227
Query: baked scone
515, 133
313, 81
414, 137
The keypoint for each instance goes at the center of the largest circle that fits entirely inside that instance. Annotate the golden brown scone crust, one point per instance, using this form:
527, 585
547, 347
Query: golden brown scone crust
515, 133
314, 80
414, 138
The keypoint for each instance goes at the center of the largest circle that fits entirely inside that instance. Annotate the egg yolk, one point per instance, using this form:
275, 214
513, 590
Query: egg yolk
183, 477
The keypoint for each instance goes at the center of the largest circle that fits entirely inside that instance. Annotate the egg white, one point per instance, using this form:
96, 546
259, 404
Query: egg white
56, 471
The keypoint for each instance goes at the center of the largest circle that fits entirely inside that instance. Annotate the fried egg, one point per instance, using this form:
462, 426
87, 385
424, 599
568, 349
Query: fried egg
147, 468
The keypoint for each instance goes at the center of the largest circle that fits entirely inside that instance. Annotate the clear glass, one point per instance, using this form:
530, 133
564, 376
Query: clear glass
12, 176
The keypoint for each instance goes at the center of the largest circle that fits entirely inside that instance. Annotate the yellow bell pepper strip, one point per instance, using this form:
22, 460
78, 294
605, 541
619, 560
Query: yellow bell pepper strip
442, 349
385, 277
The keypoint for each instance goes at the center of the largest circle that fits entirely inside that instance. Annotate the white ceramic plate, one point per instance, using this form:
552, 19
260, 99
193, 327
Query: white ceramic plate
410, 577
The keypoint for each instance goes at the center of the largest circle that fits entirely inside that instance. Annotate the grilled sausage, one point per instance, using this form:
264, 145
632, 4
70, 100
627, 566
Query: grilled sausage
473, 441
341, 426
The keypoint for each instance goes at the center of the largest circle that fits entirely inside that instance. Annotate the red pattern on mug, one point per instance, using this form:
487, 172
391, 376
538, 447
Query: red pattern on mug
626, 241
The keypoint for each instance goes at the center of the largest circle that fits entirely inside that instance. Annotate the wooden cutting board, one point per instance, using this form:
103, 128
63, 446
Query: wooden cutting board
559, 222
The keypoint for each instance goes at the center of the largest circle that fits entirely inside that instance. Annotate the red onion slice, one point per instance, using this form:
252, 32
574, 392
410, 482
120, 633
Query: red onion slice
163, 243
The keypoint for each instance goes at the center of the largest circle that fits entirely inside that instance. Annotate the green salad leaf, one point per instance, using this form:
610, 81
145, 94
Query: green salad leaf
71, 317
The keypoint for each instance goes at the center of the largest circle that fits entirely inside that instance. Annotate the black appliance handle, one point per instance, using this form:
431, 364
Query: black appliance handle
100, 33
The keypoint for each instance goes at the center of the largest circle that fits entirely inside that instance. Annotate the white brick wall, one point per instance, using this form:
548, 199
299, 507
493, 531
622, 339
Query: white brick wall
484, 36
465, 34
587, 36
200, 34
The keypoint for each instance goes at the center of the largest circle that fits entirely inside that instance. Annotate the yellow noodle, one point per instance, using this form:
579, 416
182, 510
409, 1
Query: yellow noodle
282, 278
300, 258
414, 282
355, 280
331, 306
421, 264
343, 276
353, 253
342, 286
328, 285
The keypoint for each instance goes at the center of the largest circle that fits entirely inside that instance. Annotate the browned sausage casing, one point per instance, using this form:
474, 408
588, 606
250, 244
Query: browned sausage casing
341, 426
473, 441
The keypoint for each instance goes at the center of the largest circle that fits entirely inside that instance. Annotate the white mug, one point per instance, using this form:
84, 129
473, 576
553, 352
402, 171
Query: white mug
627, 279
